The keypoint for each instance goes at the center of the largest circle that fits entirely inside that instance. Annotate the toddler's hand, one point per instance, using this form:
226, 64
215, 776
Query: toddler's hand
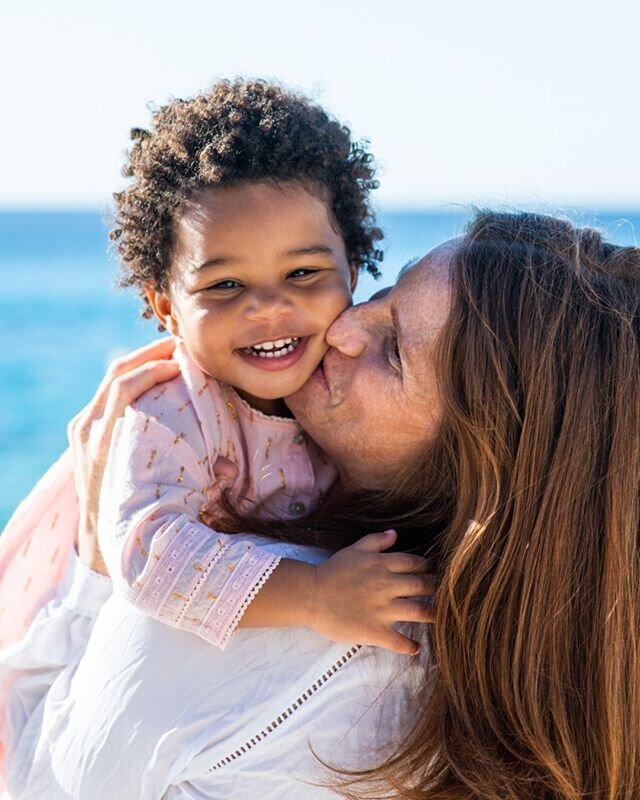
361, 592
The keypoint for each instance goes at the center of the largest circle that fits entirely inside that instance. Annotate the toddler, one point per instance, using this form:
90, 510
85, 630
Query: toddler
243, 228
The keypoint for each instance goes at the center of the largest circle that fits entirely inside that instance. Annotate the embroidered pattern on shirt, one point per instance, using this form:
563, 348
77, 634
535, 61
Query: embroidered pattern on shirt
277, 722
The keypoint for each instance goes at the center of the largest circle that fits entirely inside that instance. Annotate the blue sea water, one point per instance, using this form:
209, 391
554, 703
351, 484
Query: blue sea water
63, 320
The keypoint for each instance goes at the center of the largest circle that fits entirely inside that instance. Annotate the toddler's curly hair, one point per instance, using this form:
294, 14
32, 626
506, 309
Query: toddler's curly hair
243, 130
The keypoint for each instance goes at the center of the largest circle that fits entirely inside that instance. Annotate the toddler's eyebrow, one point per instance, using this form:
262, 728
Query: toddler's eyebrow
312, 250
215, 262
225, 261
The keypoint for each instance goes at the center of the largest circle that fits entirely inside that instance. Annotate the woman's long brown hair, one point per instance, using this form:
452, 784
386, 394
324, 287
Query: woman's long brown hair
529, 498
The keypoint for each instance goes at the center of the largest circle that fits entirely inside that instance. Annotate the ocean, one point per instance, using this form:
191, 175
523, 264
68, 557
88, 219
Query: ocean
63, 320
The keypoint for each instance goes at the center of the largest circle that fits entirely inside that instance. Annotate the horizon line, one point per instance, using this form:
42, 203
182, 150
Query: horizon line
449, 207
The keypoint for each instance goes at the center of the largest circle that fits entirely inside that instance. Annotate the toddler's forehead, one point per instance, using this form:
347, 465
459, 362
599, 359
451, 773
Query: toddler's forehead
260, 223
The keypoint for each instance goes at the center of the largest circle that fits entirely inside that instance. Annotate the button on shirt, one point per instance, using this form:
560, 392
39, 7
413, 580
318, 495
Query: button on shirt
297, 509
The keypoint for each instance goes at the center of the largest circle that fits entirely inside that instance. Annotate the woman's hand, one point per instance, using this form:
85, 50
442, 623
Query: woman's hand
90, 432
360, 592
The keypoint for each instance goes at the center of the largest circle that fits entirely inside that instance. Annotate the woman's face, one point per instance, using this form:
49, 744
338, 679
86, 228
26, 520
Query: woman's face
373, 404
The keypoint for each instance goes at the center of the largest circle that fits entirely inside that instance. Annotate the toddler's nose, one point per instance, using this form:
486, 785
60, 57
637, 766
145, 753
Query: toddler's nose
267, 305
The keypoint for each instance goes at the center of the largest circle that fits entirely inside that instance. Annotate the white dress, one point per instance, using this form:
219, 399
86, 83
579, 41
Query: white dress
109, 704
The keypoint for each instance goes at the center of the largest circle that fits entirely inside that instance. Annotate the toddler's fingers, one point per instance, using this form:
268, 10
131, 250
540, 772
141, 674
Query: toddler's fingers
430, 564
405, 562
412, 611
397, 643
375, 542
414, 585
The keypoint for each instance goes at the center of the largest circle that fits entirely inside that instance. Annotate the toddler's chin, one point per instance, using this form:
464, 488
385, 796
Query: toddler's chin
275, 392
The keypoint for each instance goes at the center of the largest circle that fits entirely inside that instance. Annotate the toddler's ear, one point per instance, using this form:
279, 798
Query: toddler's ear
162, 308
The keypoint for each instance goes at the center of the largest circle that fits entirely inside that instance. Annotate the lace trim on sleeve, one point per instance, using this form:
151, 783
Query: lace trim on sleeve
238, 567
249, 744
171, 566
249, 576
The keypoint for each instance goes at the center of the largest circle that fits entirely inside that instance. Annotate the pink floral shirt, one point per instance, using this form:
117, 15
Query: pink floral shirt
173, 454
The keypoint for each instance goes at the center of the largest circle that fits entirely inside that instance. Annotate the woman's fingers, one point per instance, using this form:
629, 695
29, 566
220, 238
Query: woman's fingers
111, 399
160, 349
131, 385
90, 431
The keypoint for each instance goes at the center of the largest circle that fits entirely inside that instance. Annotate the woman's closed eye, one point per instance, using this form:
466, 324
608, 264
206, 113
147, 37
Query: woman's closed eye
393, 350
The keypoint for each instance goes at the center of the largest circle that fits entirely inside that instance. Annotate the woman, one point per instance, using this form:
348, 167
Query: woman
495, 393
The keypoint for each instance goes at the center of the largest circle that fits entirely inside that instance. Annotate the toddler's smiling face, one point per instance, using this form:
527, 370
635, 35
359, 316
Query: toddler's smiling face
258, 275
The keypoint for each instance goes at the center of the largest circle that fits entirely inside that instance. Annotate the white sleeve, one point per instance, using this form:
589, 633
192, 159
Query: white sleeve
45, 658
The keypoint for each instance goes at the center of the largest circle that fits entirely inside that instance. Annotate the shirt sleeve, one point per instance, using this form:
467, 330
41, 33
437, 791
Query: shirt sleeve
160, 555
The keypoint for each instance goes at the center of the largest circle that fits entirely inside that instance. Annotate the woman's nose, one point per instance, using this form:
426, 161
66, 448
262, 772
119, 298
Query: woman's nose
348, 333
267, 304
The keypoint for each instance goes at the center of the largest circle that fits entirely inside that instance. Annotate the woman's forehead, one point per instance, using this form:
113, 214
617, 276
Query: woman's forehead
434, 265
421, 299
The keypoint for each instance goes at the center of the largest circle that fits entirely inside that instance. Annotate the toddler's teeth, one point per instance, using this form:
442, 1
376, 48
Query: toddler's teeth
275, 349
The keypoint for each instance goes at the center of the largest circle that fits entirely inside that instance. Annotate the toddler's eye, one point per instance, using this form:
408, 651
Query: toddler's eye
225, 285
303, 272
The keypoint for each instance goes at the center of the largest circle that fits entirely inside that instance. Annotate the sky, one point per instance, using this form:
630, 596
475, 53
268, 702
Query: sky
499, 102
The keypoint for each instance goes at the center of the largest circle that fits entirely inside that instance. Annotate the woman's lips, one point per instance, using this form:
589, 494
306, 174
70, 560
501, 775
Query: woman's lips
319, 378
275, 364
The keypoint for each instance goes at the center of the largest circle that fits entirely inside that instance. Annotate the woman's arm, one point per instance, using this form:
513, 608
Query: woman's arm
161, 557
91, 430
57, 637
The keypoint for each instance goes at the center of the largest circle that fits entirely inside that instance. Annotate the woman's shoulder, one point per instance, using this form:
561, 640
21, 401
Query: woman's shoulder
270, 693
349, 709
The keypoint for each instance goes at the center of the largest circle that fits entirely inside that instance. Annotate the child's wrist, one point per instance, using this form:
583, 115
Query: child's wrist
287, 599
311, 603
303, 595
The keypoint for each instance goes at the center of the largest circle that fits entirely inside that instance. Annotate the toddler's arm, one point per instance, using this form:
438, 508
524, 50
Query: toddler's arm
178, 570
164, 560
182, 572
355, 596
